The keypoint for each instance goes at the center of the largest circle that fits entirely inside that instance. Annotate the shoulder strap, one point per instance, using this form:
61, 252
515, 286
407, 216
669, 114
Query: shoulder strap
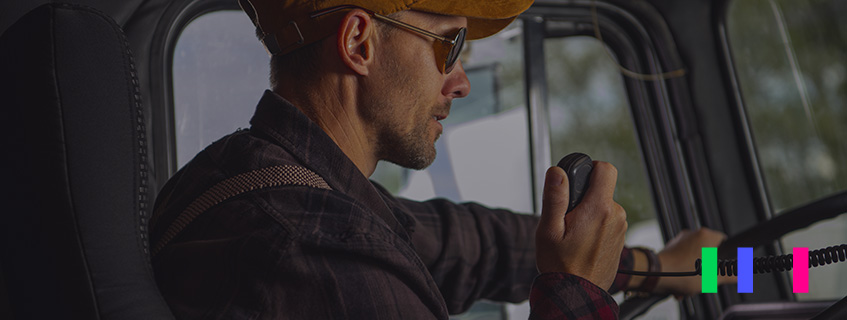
242, 183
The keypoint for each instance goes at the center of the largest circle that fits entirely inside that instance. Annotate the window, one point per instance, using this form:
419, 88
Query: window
219, 72
589, 113
789, 58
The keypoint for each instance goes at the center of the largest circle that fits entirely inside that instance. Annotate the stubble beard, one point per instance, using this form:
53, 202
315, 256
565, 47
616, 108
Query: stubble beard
411, 149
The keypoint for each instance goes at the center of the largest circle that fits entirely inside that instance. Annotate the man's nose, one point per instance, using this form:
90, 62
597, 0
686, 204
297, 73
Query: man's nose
456, 85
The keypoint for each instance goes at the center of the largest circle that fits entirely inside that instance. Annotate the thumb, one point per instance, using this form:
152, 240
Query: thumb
554, 202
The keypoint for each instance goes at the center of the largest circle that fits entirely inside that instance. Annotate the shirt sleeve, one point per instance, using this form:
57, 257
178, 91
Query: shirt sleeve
474, 252
557, 295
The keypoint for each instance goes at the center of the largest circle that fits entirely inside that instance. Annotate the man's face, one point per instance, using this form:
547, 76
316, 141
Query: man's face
408, 95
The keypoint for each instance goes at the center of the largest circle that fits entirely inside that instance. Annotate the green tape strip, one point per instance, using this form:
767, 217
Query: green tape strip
709, 276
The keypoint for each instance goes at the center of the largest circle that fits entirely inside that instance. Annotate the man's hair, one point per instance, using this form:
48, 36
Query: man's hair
303, 62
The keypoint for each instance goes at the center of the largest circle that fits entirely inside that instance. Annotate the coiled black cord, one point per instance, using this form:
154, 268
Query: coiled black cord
784, 262
767, 264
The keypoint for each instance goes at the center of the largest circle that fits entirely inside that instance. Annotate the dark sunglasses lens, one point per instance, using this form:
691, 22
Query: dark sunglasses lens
453, 56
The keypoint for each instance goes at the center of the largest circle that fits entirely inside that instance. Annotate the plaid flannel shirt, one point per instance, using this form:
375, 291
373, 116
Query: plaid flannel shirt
353, 252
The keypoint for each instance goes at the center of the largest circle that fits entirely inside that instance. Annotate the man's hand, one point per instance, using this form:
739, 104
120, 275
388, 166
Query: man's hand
679, 255
587, 242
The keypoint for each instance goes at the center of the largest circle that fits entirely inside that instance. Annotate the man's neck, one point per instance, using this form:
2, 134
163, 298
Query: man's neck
332, 105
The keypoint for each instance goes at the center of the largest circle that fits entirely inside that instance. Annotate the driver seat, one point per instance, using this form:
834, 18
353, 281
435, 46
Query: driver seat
74, 222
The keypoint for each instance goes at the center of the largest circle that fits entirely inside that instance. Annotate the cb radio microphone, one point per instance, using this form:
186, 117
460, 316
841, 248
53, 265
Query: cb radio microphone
578, 167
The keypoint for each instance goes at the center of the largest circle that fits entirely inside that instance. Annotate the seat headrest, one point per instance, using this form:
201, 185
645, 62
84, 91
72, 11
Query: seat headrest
76, 214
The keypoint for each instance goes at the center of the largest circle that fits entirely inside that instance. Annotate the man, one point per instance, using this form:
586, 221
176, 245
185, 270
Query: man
354, 83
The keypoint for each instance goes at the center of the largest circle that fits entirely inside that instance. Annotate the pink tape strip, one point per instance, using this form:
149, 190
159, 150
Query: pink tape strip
801, 270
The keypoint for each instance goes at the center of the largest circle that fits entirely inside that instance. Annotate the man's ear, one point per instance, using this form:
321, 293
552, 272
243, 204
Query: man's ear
355, 41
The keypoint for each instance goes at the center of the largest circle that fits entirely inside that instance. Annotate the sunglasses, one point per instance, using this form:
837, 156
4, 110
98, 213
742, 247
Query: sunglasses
446, 50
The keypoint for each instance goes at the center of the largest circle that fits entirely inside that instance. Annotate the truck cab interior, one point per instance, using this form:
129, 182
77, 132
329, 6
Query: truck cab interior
726, 114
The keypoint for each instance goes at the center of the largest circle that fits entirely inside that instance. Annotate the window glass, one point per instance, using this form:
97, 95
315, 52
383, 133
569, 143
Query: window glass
589, 113
219, 72
789, 58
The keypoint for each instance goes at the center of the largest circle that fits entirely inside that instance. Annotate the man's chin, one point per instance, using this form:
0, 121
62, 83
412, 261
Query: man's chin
418, 161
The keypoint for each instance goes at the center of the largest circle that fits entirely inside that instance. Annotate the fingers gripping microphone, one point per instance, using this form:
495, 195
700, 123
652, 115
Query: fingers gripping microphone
578, 167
